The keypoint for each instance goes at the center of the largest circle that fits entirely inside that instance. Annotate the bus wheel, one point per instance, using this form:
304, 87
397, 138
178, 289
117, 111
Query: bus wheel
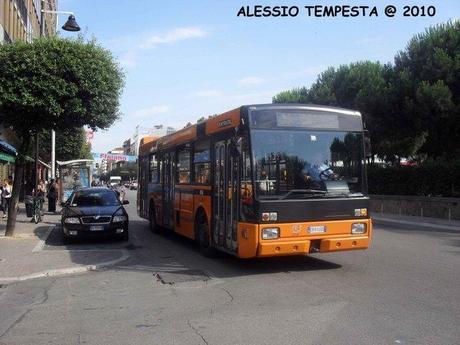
152, 221
204, 241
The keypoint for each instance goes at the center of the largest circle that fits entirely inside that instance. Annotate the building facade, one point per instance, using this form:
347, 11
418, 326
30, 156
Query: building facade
20, 19
142, 132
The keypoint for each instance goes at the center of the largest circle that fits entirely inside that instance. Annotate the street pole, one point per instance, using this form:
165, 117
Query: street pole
71, 25
53, 133
53, 154
42, 34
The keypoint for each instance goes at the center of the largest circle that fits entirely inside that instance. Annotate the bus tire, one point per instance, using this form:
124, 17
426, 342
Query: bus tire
152, 220
206, 247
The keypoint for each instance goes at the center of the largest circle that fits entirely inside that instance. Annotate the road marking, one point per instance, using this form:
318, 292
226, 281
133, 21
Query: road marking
42, 242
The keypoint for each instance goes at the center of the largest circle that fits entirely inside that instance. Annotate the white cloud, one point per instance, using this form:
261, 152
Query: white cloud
150, 111
208, 93
251, 81
128, 59
174, 35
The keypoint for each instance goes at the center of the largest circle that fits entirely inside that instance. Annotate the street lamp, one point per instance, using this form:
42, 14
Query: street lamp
70, 25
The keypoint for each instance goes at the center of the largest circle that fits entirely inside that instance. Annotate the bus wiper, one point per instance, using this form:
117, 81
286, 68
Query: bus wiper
304, 191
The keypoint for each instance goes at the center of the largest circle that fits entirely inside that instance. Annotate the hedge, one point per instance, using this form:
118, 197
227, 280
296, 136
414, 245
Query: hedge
434, 178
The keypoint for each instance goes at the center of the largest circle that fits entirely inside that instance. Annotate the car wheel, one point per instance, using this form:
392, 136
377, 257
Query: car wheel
204, 241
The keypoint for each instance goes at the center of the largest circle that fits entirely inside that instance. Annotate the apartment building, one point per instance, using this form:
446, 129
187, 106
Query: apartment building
20, 19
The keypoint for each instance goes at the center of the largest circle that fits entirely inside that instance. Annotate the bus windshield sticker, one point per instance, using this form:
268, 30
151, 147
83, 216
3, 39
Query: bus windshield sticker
309, 120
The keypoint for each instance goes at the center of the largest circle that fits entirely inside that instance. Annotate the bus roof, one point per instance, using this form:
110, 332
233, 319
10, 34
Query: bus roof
226, 121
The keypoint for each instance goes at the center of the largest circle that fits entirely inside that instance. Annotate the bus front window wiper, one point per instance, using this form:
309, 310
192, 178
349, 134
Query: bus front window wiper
304, 191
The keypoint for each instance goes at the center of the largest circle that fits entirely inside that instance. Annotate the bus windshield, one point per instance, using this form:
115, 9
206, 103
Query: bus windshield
305, 163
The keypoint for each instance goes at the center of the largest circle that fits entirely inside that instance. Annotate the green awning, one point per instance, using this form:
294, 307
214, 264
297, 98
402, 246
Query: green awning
7, 157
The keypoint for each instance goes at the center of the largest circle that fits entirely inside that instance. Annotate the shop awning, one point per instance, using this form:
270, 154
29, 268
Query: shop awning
6, 157
7, 147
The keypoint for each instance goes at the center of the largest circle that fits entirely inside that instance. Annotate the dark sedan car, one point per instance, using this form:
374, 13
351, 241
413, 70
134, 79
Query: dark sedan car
94, 212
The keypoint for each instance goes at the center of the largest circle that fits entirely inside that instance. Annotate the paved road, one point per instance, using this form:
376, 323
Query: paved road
404, 290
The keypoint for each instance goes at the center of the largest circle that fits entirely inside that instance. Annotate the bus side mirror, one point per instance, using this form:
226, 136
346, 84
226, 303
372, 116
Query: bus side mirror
367, 144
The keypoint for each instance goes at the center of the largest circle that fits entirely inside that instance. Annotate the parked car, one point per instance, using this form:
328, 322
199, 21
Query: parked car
95, 211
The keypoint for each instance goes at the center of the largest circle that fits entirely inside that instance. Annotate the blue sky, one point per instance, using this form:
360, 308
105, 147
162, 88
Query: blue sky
187, 59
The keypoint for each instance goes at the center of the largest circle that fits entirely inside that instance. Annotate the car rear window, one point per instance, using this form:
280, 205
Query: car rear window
95, 198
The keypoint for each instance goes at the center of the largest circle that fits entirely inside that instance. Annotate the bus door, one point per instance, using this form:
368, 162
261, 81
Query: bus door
225, 196
168, 190
143, 185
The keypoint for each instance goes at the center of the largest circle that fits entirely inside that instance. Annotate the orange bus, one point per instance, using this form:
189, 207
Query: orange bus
261, 180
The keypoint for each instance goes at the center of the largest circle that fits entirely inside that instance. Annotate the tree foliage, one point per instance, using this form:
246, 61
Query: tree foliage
70, 144
55, 83
411, 107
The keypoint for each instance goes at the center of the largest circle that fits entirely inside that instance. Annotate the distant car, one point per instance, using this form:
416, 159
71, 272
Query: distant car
133, 186
95, 211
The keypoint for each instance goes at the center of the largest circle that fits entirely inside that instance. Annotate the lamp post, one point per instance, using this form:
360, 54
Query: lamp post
70, 25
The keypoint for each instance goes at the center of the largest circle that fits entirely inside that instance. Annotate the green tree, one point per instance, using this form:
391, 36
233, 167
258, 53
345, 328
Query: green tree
360, 85
127, 171
427, 81
70, 144
55, 83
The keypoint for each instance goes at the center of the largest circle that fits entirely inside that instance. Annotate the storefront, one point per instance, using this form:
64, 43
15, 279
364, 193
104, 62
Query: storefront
7, 159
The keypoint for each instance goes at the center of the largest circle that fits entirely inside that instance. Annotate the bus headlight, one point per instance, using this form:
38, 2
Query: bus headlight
270, 233
358, 228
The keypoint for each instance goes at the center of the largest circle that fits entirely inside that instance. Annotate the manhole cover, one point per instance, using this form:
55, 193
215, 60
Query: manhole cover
182, 276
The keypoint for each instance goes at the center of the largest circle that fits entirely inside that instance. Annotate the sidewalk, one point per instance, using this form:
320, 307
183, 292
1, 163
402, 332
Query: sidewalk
421, 222
37, 250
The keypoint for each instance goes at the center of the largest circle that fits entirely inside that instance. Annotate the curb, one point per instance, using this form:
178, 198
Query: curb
432, 226
66, 271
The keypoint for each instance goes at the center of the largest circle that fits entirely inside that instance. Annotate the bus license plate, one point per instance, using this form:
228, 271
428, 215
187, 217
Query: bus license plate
96, 228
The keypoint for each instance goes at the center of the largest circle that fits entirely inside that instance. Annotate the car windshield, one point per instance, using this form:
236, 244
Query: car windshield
307, 164
91, 198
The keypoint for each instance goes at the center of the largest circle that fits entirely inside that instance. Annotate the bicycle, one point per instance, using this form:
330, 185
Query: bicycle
38, 212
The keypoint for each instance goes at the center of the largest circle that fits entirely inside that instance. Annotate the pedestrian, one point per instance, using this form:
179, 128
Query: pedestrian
41, 191
57, 185
6, 197
52, 194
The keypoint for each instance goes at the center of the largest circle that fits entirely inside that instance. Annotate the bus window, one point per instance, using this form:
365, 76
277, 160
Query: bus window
153, 169
202, 163
183, 165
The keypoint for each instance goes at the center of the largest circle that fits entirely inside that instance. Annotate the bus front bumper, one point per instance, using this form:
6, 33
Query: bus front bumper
294, 238
312, 246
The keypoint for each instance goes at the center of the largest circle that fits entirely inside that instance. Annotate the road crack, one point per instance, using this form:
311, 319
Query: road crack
197, 332
229, 295
32, 307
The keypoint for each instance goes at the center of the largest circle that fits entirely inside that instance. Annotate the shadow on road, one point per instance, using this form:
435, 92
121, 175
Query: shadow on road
169, 252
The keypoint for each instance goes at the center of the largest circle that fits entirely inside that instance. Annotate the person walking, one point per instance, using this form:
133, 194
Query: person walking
41, 191
52, 194
6, 197
57, 186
